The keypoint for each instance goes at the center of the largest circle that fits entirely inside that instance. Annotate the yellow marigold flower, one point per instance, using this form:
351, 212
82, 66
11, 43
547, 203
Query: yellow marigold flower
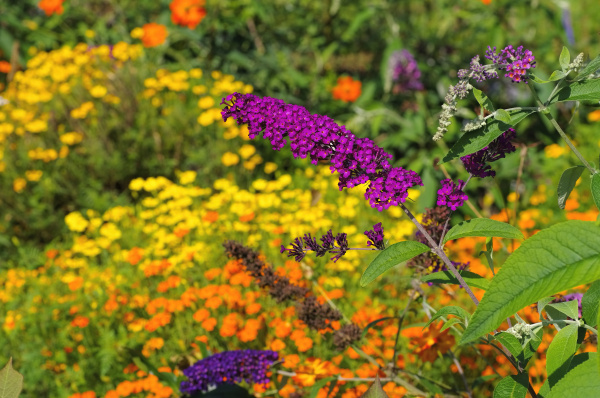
594, 116
64, 151
136, 184
36, 126
187, 177
71, 138
512, 197
247, 150
29, 24
205, 119
196, 73
230, 159
199, 90
554, 151
206, 102
33, 175
137, 33
19, 184
18, 114
216, 75
76, 222
90, 34
98, 91
110, 231
270, 167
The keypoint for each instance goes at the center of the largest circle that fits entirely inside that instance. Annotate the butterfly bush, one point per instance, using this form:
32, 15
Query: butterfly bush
405, 72
357, 160
477, 163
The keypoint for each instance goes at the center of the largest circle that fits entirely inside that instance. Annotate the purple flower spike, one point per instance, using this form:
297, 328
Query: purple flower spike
356, 160
476, 163
375, 236
515, 61
451, 194
228, 367
405, 71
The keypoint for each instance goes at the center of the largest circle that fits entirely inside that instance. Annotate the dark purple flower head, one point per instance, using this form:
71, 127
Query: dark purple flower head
342, 246
328, 241
451, 194
516, 62
375, 236
228, 367
405, 71
357, 160
477, 163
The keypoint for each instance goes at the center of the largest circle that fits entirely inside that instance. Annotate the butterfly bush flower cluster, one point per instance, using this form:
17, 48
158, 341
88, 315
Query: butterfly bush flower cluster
405, 72
451, 194
228, 367
515, 62
477, 163
357, 160
337, 245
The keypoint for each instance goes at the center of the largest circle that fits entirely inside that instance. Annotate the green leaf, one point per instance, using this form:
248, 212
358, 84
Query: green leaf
576, 361
512, 344
11, 381
596, 189
475, 140
359, 19
375, 391
567, 182
483, 100
537, 79
530, 346
581, 381
568, 308
513, 386
503, 116
450, 310
390, 257
560, 353
578, 91
314, 391
375, 322
590, 68
449, 323
555, 259
543, 303
590, 303
565, 58
557, 75
472, 279
483, 227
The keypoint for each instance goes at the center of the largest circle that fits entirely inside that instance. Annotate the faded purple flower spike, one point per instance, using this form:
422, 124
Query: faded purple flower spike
451, 194
228, 367
375, 236
515, 61
405, 71
357, 160
477, 163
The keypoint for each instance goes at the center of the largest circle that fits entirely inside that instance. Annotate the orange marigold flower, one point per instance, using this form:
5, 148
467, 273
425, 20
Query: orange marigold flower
135, 255
486, 2
51, 6
247, 217
210, 216
80, 321
209, 324
277, 345
594, 116
110, 305
154, 34
5, 67
347, 89
187, 12
428, 343
304, 344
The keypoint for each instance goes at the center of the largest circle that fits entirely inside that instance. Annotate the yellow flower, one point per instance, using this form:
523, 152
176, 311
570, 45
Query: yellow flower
98, 91
196, 73
76, 222
554, 151
247, 150
19, 184
198, 89
33, 175
270, 167
187, 177
206, 102
36, 126
90, 34
71, 138
137, 33
110, 231
205, 119
594, 116
230, 159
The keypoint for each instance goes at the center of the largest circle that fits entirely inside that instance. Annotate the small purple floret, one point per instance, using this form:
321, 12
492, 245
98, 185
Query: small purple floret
228, 367
477, 163
451, 194
357, 160
375, 236
515, 61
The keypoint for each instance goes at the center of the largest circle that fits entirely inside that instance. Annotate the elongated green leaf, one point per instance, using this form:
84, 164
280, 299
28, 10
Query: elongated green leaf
483, 227
450, 310
590, 68
568, 308
565, 58
375, 391
475, 140
503, 116
390, 257
576, 361
560, 353
567, 182
483, 100
555, 259
543, 303
590, 303
596, 189
581, 381
472, 279
375, 322
537, 79
513, 386
557, 75
578, 91
11, 381
512, 344
449, 323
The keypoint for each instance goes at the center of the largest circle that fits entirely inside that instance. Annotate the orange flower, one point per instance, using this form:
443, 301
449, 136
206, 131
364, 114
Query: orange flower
187, 12
247, 217
80, 321
154, 34
51, 6
209, 324
211, 216
347, 89
428, 343
5, 67
486, 2
135, 255
304, 344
